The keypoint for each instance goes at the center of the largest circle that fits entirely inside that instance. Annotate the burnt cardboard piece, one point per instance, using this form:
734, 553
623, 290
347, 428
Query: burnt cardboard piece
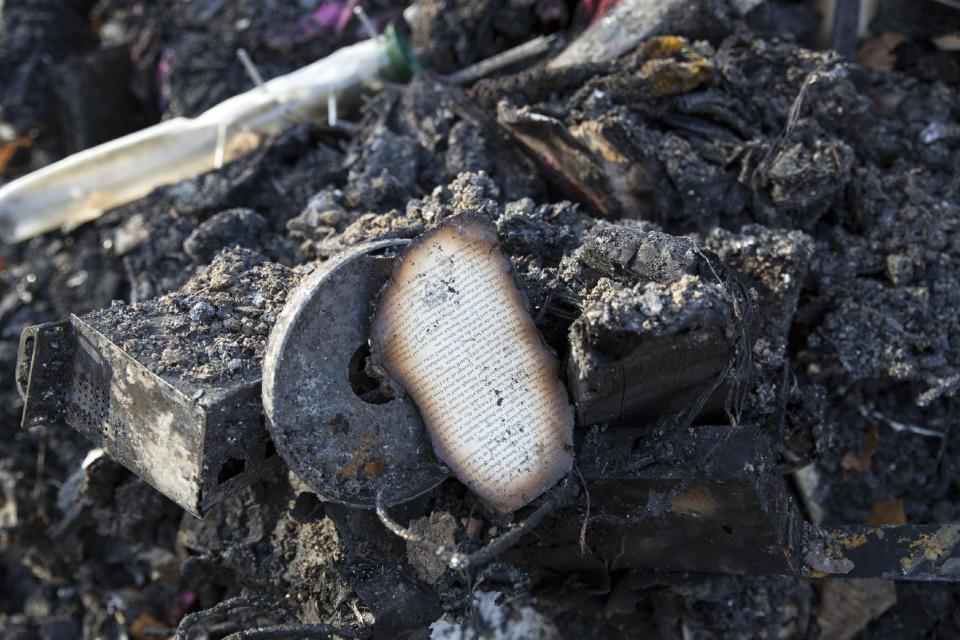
454, 330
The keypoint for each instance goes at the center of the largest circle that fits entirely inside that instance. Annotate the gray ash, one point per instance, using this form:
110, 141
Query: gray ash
211, 330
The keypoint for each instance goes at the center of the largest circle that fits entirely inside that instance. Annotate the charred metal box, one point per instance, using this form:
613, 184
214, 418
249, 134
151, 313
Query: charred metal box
195, 443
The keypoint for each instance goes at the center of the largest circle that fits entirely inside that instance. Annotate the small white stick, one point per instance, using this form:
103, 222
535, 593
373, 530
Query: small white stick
366, 22
251, 68
221, 145
332, 109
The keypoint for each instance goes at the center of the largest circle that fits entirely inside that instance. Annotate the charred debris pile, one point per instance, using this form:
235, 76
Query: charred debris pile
729, 239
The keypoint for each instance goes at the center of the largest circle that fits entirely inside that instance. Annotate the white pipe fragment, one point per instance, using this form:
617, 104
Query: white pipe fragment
83, 186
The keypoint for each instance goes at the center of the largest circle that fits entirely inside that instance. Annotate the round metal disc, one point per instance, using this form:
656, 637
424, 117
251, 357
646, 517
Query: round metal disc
335, 425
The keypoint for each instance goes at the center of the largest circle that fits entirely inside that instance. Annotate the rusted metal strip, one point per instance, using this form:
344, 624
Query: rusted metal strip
922, 552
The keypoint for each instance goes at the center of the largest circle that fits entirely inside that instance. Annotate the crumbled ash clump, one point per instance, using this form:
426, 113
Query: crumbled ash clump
424, 136
270, 543
900, 279
634, 253
636, 279
212, 330
327, 226
538, 238
652, 308
775, 261
469, 191
541, 234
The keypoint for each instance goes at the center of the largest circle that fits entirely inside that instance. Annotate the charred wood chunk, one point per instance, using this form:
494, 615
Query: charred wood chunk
657, 331
716, 506
633, 21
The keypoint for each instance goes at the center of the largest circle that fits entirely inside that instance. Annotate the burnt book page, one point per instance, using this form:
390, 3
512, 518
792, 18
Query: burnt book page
453, 328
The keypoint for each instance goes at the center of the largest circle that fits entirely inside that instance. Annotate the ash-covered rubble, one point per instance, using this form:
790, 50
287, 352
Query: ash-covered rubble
214, 328
659, 310
614, 289
814, 260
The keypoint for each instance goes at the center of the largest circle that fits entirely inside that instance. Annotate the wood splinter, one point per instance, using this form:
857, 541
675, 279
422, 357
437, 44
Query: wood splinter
454, 330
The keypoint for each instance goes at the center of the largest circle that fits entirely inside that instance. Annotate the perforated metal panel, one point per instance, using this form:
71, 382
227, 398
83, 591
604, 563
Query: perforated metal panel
88, 401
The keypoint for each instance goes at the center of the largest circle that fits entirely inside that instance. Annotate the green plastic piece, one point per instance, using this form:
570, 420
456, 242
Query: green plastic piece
403, 63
